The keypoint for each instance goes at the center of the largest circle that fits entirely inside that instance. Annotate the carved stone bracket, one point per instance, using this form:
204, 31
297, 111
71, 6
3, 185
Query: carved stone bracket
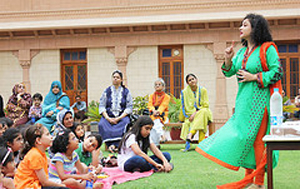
33, 53
210, 47
25, 63
219, 57
25, 57
121, 61
121, 54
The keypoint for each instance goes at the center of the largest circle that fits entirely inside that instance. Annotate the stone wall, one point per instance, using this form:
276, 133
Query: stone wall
10, 74
44, 69
101, 64
142, 70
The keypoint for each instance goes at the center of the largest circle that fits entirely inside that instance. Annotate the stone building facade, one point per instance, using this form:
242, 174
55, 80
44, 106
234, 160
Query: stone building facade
81, 42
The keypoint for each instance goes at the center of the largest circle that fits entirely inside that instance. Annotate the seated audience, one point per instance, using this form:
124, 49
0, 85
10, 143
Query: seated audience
195, 108
7, 168
13, 139
18, 105
89, 150
80, 108
8, 122
54, 102
33, 169
65, 120
78, 130
35, 111
66, 162
158, 107
134, 146
115, 106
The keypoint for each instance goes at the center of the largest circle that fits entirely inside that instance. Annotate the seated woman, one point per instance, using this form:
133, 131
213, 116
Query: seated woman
18, 105
115, 106
65, 120
54, 102
195, 108
158, 107
134, 146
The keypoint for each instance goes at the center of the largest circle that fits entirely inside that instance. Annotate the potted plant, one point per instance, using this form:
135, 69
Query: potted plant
140, 104
92, 114
289, 110
174, 112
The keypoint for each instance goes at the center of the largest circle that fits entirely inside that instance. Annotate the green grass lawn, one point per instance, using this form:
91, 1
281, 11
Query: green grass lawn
194, 171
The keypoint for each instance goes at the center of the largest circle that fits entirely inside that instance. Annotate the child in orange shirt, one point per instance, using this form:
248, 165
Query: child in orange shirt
33, 169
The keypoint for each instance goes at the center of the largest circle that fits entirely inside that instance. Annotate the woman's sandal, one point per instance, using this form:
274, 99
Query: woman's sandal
187, 148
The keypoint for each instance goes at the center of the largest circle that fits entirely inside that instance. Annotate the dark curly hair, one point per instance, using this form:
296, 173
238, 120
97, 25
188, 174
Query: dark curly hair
61, 142
260, 32
136, 130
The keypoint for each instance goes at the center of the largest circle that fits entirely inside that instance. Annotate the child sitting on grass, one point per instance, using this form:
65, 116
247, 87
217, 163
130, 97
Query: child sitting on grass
33, 169
134, 146
78, 130
7, 167
89, 151
13, 139
65, 162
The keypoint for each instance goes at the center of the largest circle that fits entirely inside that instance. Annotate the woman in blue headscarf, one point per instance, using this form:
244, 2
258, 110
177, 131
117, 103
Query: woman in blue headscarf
54, 102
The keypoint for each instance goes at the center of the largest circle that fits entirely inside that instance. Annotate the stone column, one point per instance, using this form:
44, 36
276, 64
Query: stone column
25, 57
121, 53
221, 109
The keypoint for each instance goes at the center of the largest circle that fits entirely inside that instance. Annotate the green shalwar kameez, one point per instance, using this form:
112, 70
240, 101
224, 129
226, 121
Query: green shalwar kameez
232, 145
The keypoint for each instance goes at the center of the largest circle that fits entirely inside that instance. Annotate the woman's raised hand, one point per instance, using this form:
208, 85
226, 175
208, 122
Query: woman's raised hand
229, 52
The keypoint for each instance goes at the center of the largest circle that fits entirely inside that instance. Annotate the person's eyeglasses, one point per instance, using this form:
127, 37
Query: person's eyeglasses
6, 155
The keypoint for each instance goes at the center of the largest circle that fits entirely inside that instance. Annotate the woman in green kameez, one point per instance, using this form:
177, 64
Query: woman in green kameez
195, 108
239, 142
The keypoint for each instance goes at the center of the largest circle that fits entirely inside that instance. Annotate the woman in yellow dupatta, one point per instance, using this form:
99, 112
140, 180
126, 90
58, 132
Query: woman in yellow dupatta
158, 107
195, 108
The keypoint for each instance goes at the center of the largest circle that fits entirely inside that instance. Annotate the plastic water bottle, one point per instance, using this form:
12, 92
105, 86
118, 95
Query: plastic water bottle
33, 120
276, 111
89, 184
